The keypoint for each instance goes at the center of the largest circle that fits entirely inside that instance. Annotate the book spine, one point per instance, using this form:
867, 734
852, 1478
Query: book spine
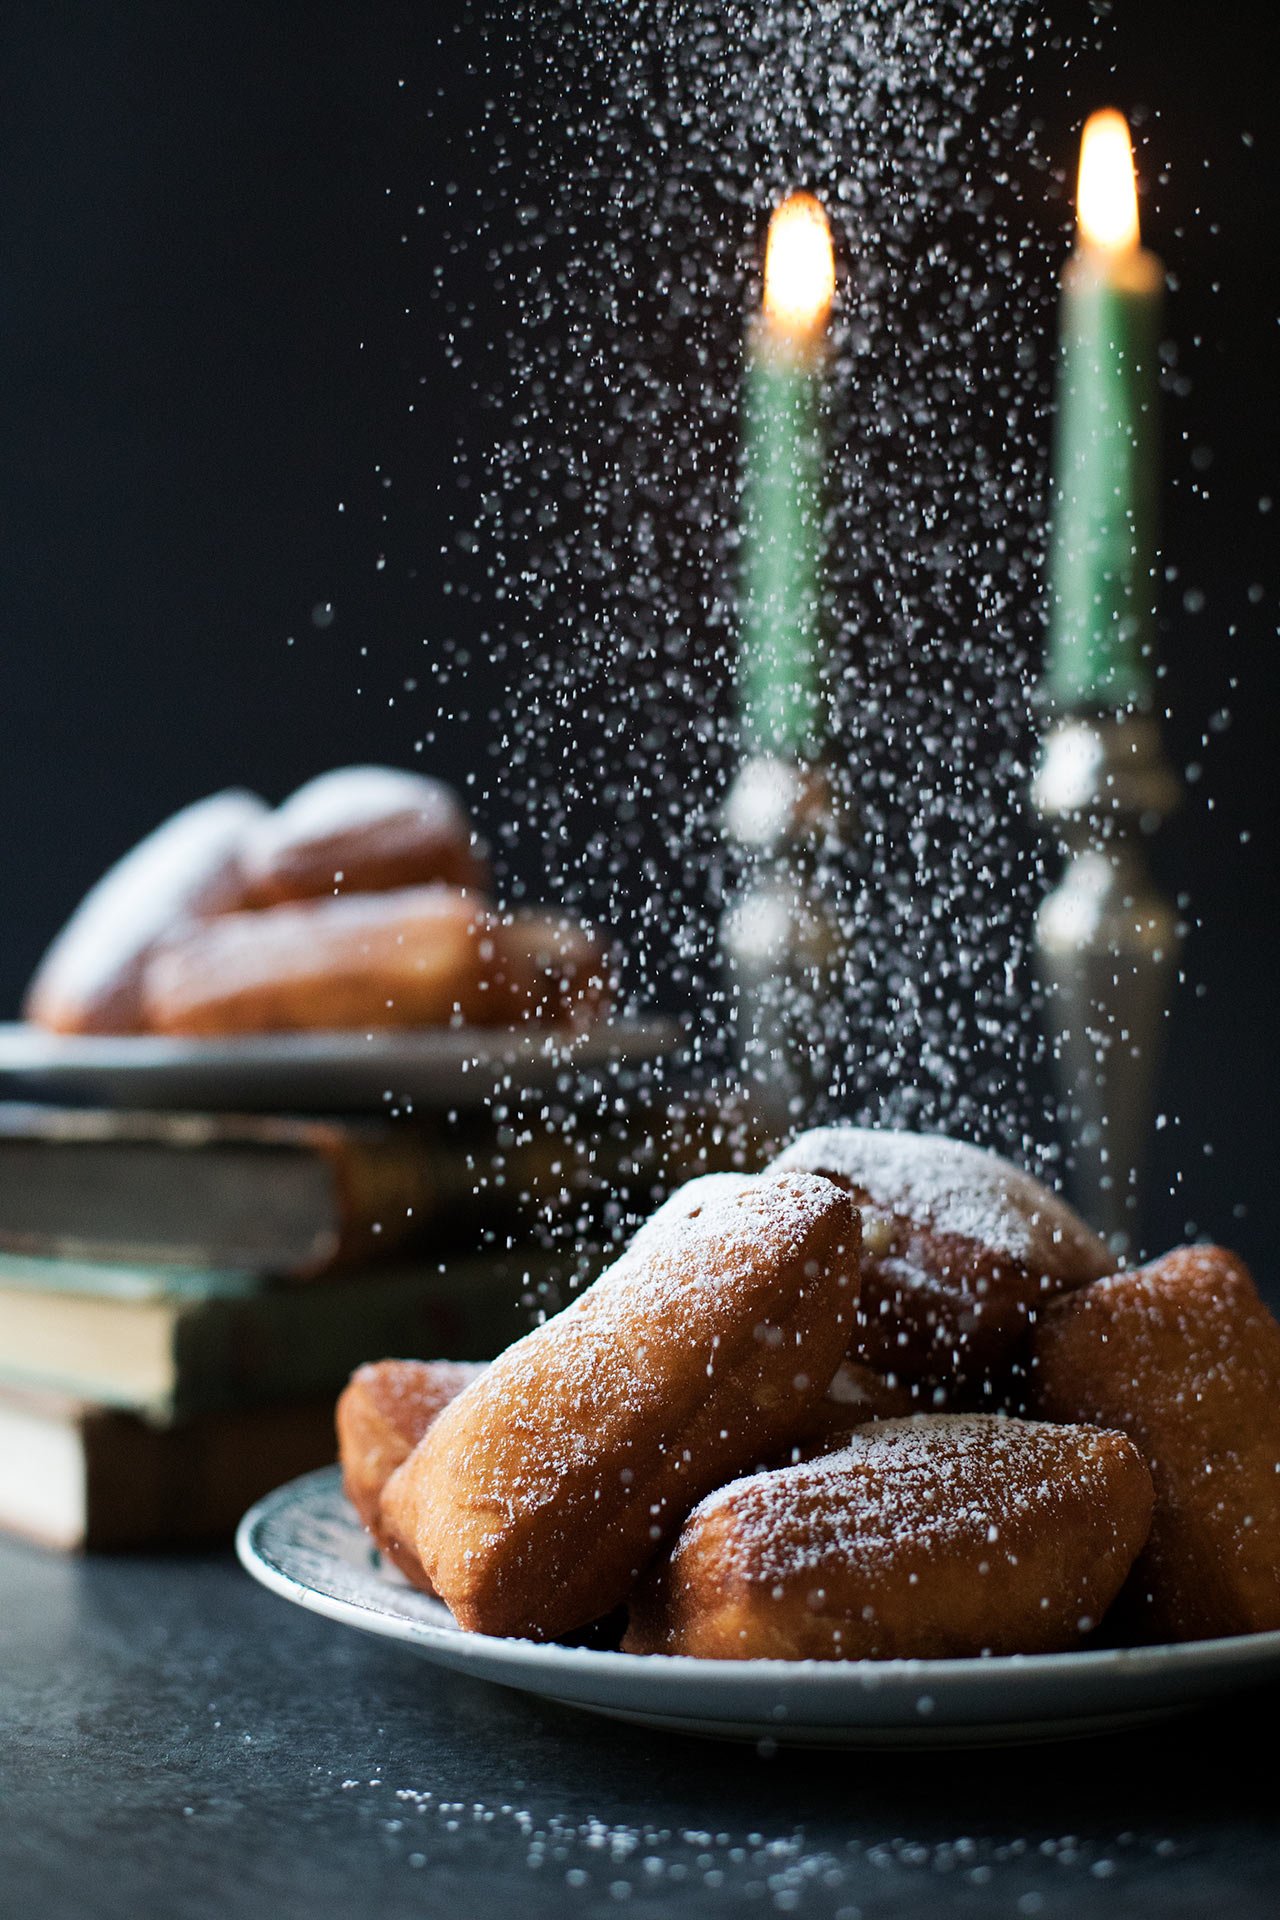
383, 1196
175, 1486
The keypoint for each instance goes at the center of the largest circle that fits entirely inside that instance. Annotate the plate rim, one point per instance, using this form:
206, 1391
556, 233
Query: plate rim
687, 1671
337, 1069
28, 1049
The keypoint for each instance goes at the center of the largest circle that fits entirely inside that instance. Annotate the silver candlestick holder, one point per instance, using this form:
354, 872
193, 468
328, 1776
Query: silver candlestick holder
783, 942
1107, 944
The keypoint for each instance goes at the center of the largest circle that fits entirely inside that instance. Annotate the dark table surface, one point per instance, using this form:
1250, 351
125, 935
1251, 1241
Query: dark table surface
176, 1741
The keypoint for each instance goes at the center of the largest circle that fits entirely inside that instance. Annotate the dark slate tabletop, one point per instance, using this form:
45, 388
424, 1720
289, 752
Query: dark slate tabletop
176, 1741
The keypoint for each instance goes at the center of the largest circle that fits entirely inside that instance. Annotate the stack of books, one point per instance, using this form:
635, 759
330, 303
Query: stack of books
182, 1297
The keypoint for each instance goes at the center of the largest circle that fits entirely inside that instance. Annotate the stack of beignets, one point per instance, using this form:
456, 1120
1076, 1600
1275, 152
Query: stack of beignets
358, 903
703, 1436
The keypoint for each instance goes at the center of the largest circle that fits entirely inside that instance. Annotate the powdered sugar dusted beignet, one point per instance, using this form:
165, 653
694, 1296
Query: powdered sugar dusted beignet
538, 1497
936, 1537
1185, 1358
687, 1202
855, 1394
419, 957
424, 956
363, 830
91, 979
959, 1249
381, 1415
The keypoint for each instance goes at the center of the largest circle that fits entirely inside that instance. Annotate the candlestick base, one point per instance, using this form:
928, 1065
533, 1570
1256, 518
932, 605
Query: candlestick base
782, 940
1107, 945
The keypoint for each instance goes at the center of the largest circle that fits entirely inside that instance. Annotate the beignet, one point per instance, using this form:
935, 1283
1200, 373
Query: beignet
538, 1497
91, 979
424, 956
855, 1394
558, 969
936, 1537
420, 957
382, 1413
363, 830
959, 1249
1185, 1358
686, 1202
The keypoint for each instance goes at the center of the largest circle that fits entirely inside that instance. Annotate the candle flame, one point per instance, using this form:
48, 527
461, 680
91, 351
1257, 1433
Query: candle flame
799, 265
1107, 195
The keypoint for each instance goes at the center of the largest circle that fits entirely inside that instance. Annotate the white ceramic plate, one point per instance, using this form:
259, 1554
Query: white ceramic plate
319, 1072
304, 1542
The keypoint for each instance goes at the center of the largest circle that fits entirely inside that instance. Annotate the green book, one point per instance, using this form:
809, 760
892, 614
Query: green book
170, 1345
113, 1280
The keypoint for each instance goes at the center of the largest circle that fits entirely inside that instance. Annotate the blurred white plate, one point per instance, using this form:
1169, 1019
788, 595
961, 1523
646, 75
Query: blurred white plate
304, 1542
319, 1072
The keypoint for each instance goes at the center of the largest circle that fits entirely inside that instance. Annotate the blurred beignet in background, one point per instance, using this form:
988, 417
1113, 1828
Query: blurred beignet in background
541, 1493
420, 956
562, 973
959, 1249
91, 978
382, 1413
937, 1537
1183, 1356
363, 830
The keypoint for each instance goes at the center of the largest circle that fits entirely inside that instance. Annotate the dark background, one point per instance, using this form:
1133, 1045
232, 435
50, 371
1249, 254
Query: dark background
203, 295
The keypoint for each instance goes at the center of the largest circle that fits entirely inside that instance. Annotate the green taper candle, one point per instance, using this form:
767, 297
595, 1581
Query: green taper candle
1102, 558
782, 529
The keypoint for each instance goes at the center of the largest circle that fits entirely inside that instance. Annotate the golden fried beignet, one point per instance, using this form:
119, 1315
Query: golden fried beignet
363, 830
687, 1202
425, 956
958, 1250
420, 957
941, 1536
559, 971
538, 1497
1184, 1357
91, 979
381, 1415
855, 1394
